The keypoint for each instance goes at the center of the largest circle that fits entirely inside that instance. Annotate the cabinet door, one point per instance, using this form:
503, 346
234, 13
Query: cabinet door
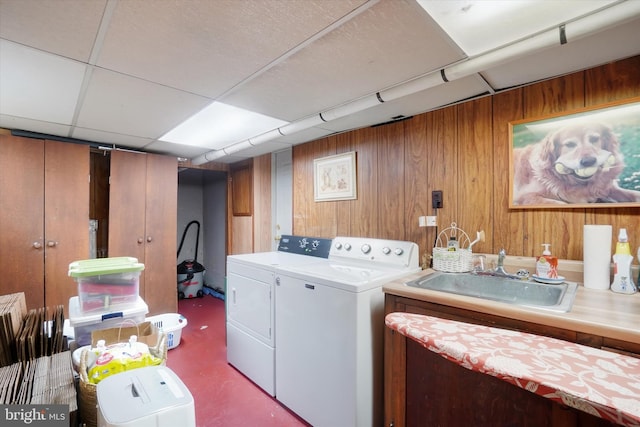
127, 206
44, 219
21, 218
161, 225
66, 217
143, 222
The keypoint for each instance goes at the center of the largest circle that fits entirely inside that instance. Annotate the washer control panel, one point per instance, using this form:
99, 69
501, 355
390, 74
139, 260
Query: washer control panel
303, 245
392, 252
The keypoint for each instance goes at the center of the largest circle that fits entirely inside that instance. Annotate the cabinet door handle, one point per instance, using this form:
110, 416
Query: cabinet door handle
37, 245
51, 243
233, 291
140, 240
149, 239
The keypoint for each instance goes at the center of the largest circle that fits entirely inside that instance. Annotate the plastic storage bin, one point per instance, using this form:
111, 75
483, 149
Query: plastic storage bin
83, 324
106, 284
171, 324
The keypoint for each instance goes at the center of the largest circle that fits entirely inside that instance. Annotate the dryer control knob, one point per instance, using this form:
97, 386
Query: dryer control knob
338, 245
386, 250
347, 246
365, 248
398, 251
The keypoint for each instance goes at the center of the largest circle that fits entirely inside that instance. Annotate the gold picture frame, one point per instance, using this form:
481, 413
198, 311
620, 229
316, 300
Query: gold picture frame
587, 158
334, 177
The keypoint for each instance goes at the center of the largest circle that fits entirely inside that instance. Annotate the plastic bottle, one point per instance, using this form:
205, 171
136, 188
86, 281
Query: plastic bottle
452, 244
547, 264
622, 279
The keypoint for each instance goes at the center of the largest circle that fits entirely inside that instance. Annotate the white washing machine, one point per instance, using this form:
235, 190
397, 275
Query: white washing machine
330, 329
250, 304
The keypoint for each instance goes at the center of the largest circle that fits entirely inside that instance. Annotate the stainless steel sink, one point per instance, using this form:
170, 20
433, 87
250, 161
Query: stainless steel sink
525, 293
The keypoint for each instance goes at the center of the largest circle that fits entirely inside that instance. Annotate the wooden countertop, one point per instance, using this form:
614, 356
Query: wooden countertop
598, 312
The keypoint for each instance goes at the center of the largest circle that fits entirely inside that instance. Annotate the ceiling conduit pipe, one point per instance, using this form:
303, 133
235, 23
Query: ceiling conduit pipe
617, 14
300, 125
571, 31
352, 107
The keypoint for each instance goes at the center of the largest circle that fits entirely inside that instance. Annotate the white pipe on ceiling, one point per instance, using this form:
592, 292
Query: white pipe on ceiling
617, 14
301, 125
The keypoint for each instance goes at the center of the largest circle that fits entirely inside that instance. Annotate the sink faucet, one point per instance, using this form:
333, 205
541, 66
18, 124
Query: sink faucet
500, 271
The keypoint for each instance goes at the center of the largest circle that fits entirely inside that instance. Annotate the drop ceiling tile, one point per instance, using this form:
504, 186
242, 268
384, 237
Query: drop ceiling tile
38, 85
110, 138
64, 27
127, 105
21, 123
580, 54
205, 46
389, 43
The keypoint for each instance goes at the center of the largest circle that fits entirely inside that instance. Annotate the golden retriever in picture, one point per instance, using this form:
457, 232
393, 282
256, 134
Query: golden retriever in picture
577, 164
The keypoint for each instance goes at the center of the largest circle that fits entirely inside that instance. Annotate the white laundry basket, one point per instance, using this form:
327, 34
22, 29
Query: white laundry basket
171, 324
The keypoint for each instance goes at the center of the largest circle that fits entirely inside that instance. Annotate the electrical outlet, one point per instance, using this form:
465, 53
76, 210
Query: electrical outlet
436, 199
422, 221
431, 221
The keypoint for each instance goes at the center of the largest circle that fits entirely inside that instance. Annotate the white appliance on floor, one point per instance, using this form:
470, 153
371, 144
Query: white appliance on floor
330, 328
145, 397
250, 304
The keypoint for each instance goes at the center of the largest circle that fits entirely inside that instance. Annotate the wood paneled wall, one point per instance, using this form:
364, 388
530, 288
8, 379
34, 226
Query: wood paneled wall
462, 150
251, 232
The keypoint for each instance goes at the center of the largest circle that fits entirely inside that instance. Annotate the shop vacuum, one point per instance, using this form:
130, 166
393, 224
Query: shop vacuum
190, 271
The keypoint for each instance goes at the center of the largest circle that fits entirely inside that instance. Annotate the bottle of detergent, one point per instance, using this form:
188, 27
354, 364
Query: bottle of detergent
622, 279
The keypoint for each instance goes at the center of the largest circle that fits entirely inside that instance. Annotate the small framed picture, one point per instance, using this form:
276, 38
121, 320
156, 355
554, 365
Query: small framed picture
335, 177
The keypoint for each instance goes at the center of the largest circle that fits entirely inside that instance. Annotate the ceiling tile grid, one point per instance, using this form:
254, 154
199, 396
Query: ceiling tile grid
126, 72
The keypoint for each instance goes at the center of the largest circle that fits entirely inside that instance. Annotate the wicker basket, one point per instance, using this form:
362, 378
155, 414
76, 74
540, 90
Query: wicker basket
452, 261
87, 397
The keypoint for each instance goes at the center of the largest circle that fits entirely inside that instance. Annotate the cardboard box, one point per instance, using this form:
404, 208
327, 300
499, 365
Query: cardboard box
147, 333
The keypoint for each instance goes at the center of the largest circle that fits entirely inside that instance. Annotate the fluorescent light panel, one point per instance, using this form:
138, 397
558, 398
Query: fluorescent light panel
478, 26
220, 125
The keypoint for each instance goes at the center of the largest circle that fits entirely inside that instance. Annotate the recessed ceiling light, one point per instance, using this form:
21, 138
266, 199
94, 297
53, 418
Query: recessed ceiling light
220, 125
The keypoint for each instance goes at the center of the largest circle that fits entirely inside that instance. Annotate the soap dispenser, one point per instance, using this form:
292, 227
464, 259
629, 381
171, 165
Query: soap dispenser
546, 264
622, 279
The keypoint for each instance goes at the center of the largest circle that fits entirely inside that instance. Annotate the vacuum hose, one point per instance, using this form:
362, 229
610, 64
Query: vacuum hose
184, 233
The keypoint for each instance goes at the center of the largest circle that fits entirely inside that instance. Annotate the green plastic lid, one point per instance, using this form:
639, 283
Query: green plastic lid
102, 261
101, 266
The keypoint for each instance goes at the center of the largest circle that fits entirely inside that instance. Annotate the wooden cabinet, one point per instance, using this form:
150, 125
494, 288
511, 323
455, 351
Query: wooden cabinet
422, 388
143, 222
242, 190
44, 217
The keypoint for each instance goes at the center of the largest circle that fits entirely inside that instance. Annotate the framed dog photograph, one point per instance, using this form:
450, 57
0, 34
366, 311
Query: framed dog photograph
335, 177
588, 158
